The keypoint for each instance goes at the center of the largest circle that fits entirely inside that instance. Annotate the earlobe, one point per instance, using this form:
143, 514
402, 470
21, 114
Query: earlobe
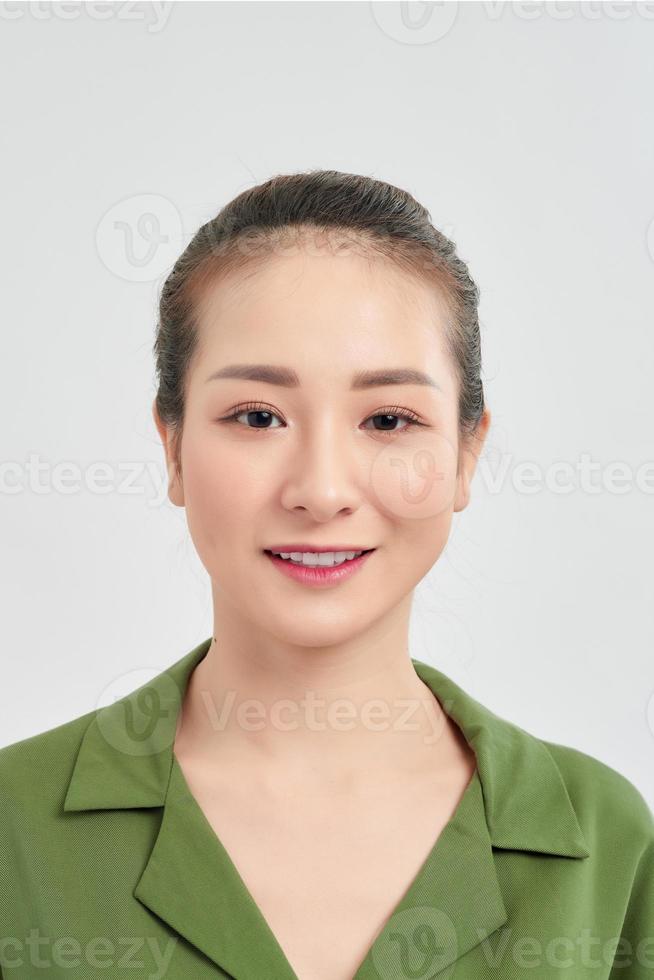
175, 485
175, 488
469, 456
462, 495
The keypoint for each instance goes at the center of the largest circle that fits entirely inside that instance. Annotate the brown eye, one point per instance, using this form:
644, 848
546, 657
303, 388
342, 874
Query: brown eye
255, 412
258, 415
390, 416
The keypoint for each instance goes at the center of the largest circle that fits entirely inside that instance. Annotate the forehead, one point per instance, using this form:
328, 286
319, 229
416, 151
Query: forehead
322, 307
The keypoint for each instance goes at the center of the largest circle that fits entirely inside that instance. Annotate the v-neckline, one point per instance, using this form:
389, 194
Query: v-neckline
454, 892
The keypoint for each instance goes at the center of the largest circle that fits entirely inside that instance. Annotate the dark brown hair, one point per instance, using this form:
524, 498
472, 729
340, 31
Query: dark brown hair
371, 216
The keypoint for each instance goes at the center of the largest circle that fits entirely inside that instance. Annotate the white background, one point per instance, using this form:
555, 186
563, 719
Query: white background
528, 132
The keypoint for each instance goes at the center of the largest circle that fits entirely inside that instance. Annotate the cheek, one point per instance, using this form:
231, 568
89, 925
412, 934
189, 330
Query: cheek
222, 493
414, 479
418, 546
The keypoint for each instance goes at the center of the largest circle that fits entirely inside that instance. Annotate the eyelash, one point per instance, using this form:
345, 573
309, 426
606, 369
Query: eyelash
395, 410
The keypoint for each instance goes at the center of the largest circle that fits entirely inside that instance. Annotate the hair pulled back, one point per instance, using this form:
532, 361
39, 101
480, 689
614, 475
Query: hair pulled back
344, 210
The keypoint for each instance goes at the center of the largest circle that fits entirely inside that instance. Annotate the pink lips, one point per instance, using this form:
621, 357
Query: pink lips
320, 575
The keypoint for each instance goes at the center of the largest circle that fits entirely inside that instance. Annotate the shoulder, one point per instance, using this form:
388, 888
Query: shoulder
35, 772
608, 805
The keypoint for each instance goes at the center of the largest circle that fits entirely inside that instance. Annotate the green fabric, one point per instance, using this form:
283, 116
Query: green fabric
108, 866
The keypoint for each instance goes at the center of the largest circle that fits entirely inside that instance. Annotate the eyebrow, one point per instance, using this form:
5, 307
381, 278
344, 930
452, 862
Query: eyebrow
288, 378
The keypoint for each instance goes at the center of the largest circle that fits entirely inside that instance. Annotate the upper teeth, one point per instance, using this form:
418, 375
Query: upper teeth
319, 558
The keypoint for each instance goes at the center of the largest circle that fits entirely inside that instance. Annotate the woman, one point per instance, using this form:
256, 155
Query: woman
297, 797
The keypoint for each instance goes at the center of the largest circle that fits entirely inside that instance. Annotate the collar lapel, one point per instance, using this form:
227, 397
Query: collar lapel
191, 883
516, 800
126, 752
526, 802
452, 905
126, 760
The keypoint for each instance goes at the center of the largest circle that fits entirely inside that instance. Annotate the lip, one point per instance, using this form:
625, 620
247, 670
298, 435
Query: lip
316, 549
320, 576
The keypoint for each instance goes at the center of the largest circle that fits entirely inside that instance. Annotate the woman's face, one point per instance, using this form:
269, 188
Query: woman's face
326, 467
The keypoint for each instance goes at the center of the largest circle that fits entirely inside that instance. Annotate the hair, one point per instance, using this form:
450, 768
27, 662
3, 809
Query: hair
375, 218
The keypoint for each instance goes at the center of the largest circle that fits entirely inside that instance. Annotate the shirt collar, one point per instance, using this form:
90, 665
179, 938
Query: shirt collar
126, 754
516, 799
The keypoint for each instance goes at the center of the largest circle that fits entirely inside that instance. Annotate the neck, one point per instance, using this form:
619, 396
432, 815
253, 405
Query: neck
352, 707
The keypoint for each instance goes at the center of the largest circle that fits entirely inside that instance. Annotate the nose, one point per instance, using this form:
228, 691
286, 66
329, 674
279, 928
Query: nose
324, 476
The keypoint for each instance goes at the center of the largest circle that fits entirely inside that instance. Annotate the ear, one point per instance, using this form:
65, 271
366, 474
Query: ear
468, 456
175, 485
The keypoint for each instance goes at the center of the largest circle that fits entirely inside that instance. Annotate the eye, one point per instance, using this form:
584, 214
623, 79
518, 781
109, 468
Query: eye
396, 412
256, 409
263, 413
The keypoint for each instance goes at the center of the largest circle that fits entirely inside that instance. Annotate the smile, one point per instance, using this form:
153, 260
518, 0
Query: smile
319, 568
322, 558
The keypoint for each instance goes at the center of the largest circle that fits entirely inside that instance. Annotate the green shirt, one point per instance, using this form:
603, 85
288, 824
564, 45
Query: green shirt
109, 868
